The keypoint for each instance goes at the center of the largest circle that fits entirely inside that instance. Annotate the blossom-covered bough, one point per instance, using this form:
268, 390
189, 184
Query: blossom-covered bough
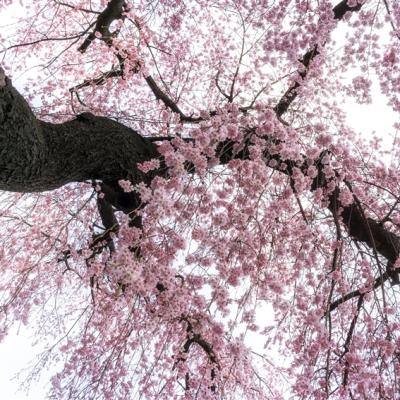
179, 167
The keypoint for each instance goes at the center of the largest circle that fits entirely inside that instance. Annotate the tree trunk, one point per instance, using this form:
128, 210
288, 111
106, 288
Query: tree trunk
36, 156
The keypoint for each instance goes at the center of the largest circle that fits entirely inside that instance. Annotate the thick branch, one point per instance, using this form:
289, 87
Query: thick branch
38, 156
361, 228
112, 12
342, 8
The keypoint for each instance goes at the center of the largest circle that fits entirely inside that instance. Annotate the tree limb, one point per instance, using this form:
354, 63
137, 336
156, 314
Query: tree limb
291, 93
37, 156
112, 12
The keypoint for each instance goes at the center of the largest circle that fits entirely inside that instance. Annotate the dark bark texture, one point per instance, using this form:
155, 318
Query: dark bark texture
38, 156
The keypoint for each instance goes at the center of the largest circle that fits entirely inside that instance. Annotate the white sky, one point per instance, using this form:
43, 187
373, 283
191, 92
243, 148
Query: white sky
16, 353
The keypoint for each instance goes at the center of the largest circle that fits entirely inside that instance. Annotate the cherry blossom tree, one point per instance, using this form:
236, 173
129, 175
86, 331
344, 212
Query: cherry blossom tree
172, 170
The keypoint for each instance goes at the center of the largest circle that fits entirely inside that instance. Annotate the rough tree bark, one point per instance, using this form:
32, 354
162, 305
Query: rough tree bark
37, 156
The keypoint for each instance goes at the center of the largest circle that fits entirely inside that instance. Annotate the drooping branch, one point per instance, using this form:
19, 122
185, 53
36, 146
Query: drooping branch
360, 227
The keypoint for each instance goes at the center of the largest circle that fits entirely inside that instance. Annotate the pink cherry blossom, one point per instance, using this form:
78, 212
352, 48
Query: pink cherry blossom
187, 211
